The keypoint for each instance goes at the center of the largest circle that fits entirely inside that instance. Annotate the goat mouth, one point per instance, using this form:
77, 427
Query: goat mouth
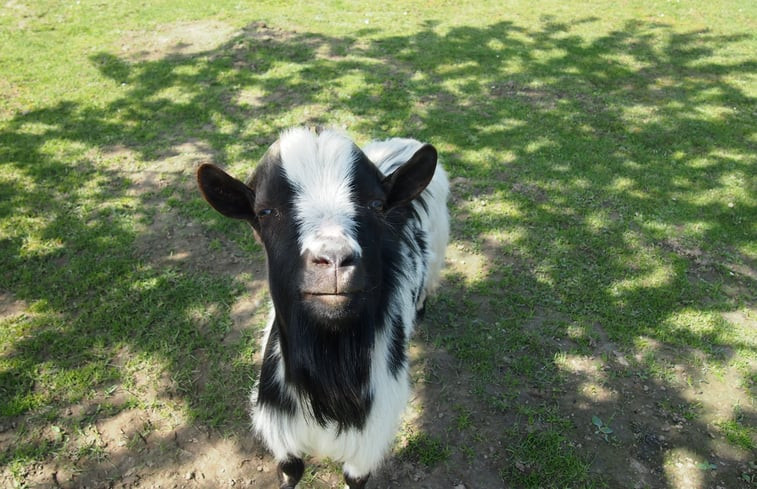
331, 299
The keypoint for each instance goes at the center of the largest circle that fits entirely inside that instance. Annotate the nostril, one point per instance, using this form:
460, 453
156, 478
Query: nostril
346, 261
322, 261
329, 261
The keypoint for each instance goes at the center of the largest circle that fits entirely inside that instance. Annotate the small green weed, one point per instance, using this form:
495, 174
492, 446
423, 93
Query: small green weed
706, 466
750, 476
601, 428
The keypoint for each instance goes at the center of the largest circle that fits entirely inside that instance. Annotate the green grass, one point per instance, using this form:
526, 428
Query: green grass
424, 449
604, 201
544, 458
739, 430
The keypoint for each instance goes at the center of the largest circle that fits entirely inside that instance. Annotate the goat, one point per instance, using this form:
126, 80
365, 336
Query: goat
354, 242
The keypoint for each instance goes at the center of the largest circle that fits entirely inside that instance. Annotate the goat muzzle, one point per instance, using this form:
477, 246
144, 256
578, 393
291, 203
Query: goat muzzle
333, 276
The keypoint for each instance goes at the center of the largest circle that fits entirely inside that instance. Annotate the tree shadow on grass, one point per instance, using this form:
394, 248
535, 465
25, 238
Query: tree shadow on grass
594, 177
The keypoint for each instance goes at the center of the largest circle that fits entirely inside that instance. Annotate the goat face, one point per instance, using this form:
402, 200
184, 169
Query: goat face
327, 218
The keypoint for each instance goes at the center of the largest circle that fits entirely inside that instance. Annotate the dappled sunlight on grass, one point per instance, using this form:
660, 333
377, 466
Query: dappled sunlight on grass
644, 278
602, 261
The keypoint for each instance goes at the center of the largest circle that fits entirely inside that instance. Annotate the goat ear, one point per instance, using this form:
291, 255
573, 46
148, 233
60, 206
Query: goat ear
409, 180
225, 193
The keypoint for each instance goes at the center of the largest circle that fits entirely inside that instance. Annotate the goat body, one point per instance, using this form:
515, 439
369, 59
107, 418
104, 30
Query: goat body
355, 242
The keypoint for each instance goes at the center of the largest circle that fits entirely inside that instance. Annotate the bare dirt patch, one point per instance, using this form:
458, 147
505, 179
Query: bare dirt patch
139, 449
180, 38
11, 306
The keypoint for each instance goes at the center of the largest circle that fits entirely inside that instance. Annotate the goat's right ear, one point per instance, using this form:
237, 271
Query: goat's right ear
225, 193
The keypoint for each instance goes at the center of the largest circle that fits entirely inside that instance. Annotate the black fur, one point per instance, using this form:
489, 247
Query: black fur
329, 369
397, 356
269, 390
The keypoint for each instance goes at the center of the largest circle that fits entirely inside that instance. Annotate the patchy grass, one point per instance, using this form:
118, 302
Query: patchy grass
425, 449
739, 430
602, 263
544, 457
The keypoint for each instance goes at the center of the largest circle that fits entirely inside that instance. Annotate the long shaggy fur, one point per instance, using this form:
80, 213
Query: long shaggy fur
337, 386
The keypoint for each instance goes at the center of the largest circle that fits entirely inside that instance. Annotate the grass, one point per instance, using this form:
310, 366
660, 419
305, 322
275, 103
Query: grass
424, 449
739, 430
604, 208
544, 456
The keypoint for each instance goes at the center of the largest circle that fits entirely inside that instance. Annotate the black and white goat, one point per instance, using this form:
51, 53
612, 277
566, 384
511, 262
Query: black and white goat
355, 242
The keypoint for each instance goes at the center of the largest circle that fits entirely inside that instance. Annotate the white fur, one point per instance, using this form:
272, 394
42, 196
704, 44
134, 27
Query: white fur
322, 203
319, 166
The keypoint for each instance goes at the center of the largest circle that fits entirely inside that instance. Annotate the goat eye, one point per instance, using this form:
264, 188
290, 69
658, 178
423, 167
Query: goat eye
376, 205
265, 213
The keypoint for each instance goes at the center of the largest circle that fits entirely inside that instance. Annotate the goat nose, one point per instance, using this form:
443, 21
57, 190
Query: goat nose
334, 268
334, 256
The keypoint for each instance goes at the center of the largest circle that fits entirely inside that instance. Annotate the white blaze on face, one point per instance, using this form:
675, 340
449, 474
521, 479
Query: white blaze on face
320, 168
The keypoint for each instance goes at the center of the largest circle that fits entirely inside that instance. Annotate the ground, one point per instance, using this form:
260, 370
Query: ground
575, 400
449, 438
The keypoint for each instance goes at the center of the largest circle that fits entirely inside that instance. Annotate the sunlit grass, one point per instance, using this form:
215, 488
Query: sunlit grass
603, 199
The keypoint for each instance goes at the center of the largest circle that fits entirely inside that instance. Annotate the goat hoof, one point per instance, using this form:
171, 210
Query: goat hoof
356, 482
290, 472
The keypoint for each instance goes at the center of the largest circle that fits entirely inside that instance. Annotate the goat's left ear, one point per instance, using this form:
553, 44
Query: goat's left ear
409, 180
225, 193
